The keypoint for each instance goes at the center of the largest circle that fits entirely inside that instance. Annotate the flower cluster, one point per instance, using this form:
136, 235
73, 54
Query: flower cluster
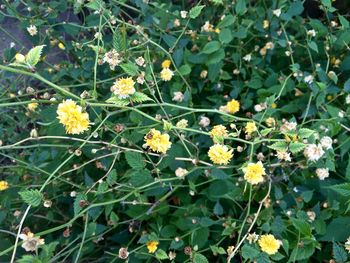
254, 173
123, 87
72, 117
157, 141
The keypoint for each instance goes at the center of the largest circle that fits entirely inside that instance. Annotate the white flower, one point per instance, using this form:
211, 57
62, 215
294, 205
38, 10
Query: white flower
326, 142
177, 23
313, 152
283, 155
311, 33
12, 44
207, 27
341, 114
277, 12
204, 121
112, 57
288, 126
183, 14
178, 96
347, 99
32, 30
247, 57
309, 79
140, 61
311, 215
322, 173
181, 172
260, 107
269, 45
30, 242
252, 238
98, 35
141, 78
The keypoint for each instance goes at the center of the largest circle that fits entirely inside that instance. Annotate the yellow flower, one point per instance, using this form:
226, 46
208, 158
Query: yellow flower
250, 128
32, 106
254, 173
269, 244
218, 131
123, 87
166, 74
220, 154
166, 63
20, 58
3, 185
232, 106
61, 46
157, 142
152, 246
72, 117
273, 105
217, 30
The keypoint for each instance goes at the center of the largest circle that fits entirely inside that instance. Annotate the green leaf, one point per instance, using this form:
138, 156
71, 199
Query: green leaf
139, 97
199, 258
279, 146
161, 254
130, 69
339, 253
249, 252
119, 102
33, 56
29, 259
196, 11
296, 147
302, 226
211, 47
32, 197
347, 171
305, 133
342, 189
119, 41
313, 46
241, 7
48, 251
112, 177
135, 160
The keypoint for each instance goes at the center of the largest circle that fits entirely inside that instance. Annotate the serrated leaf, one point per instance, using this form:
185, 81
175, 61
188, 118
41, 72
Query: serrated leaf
119, 41
130, 69
279, 146
139, 97
199, 258
76, 205
342, 189
339, 253
296, 147
196, 11
112, 177
32, 197
119, 102
135, 160
302, 226
33, 56
305, 133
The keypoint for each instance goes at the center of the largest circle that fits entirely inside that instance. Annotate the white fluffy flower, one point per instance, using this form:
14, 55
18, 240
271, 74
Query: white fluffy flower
309, 79
30, 242
322, 173
283, 156
326, 142
247, 57
112, 57
277, 12
183, 14
347, 99
313, 152
204, 121
181, 172
32, 30
140, 61
178, 96
311, 33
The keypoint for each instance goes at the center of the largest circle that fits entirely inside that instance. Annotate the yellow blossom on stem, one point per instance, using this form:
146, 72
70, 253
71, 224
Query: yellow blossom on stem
3, 185
166, 74
250, 128
157, 142
220, 154
269, 244
72, 117
166, 63
32, 106
123, 87
152, 246
254, 173
232, 106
